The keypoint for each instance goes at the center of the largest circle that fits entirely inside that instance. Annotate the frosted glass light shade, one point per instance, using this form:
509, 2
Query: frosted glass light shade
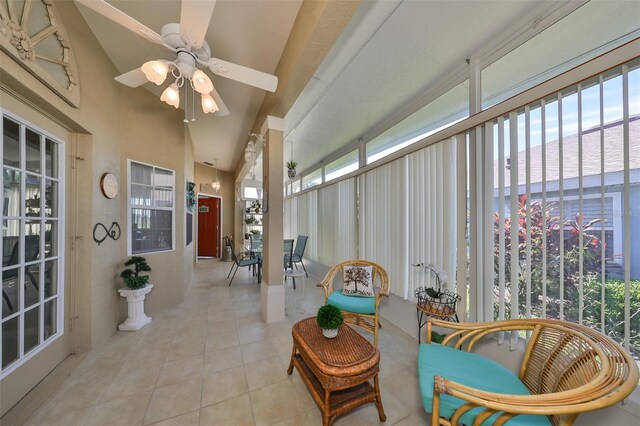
171, 95
216, 185
208, 104
201, 82
155, 71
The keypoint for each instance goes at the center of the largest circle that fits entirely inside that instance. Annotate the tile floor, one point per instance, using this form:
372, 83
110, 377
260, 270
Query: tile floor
213, 361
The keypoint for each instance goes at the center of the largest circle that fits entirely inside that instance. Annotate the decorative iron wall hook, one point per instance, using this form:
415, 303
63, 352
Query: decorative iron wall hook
113, 232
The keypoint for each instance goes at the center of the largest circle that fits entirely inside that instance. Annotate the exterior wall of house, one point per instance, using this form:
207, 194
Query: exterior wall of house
113, 124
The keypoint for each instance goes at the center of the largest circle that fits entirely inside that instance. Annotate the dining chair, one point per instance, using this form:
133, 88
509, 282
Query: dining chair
298, 252
243, 260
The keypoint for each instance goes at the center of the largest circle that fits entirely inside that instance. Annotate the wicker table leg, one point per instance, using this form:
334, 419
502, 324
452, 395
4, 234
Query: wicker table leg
326, 409
381, 414
293, 354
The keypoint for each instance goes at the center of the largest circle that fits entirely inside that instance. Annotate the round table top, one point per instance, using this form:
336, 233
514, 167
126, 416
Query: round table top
293, 272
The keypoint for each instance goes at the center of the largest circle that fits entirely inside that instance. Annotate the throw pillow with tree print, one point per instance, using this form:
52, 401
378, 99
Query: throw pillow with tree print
358, 281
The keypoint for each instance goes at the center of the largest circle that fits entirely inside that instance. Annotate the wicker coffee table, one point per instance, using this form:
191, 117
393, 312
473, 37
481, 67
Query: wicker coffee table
336, 371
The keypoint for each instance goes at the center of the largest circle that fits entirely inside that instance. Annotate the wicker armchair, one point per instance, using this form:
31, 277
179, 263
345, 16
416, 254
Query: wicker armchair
365, 317
567, 369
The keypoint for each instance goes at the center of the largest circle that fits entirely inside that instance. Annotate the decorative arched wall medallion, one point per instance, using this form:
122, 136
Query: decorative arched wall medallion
31, 34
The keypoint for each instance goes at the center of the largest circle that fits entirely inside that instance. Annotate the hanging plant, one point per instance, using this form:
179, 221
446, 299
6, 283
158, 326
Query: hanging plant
291, 169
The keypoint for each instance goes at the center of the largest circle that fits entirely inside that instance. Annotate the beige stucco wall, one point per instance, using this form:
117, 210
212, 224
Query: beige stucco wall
114, 123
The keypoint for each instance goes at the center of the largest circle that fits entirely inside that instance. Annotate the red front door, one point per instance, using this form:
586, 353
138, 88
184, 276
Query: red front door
209, 227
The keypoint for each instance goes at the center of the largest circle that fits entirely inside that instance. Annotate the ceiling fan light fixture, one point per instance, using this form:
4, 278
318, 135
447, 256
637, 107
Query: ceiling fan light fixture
208, 104
155, 71
201, 82
171, 95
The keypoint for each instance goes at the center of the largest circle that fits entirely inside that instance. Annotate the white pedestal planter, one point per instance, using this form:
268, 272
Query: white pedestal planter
135, 301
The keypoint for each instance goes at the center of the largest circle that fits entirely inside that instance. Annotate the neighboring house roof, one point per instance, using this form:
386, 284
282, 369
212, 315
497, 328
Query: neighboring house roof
613, 155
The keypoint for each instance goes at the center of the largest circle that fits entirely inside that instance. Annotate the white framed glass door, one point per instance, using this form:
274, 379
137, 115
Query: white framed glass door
32, 244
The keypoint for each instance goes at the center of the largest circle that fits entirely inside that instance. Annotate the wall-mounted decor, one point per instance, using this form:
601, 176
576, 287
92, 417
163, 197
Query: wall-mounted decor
113, 232
109, 185
34, 36
191, 196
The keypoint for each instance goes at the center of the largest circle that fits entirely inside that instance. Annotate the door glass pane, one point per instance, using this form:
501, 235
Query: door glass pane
10, 291
10, 246
51, 158
140, 195
33, 197
50, 238
141, 173
50, 278
32, 240
9, 341
11, 143
51, 198
31, 284
33, 151
12, 193
31, 329
50, 318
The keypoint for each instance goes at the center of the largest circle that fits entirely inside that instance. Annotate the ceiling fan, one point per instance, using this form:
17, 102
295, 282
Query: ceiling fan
191, 55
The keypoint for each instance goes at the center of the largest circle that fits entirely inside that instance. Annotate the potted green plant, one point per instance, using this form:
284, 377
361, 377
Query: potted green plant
249, 220
329, 319
291, 168
132, 277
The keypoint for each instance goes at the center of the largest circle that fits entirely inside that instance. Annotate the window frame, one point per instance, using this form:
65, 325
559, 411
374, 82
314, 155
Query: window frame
172, 209
22, 218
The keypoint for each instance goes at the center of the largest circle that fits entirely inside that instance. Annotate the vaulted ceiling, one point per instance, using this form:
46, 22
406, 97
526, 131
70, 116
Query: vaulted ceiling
252, 33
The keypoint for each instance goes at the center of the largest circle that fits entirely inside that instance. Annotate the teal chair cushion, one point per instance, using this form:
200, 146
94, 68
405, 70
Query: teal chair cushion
471, 370
358, 305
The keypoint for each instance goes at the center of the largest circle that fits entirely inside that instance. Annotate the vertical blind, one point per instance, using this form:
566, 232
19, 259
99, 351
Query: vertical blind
337, 237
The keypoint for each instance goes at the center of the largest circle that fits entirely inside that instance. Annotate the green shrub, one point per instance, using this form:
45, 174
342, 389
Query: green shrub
329, 317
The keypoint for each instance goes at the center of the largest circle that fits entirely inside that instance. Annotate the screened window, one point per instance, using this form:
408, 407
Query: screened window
32, 264
151, 206
535, 61
566, 176
451, 107
312, 179
342, 166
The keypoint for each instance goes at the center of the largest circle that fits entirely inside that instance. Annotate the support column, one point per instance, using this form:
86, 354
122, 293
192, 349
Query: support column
271, 288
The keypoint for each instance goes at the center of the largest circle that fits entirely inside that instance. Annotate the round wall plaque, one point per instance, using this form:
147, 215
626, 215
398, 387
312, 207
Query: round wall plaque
109, 185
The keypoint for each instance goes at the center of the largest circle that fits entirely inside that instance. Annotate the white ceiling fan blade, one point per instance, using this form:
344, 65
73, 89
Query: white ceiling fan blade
133, 78
222, 108
121, 18
244, 75
195, 16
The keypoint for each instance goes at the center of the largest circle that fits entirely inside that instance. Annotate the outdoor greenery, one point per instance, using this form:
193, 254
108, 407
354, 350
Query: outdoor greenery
569, 230
329, 317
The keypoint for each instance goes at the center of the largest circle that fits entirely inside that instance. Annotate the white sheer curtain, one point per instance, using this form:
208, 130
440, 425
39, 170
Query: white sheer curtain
338, 238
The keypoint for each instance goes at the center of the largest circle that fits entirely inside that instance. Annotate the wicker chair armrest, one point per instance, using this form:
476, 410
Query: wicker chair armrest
615, 379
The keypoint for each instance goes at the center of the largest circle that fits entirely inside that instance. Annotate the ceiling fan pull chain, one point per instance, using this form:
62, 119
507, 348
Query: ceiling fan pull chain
193, 105
186, 104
